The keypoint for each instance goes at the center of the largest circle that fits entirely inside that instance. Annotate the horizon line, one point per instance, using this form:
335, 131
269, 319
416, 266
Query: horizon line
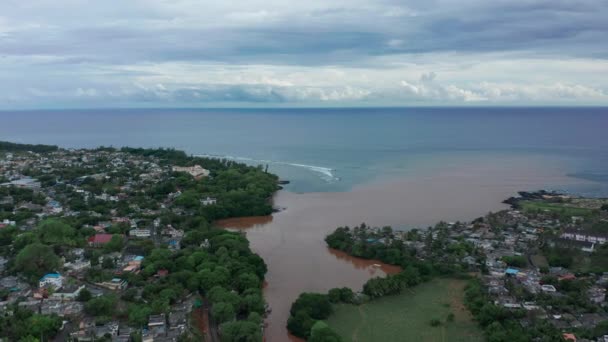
506, 106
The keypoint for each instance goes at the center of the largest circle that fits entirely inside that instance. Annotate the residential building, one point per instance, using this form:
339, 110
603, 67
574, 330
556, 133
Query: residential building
99, 240
208, 201
51, 279
140, 233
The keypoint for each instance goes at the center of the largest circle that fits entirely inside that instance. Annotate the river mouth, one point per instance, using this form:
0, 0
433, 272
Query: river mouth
291, 242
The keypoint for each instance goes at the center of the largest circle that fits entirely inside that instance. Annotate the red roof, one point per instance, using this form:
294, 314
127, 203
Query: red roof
568, 276
100, 238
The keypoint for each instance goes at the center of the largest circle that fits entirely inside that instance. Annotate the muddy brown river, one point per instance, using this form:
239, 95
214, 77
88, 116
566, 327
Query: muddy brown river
291, 241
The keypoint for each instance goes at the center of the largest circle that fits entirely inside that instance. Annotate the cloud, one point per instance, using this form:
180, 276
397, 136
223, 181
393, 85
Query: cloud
427, 88
277, 51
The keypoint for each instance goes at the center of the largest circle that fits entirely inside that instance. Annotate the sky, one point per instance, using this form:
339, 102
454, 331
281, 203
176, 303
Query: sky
200, 53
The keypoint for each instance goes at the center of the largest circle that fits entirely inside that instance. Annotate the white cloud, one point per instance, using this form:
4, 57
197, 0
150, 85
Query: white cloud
427, 88
345, 51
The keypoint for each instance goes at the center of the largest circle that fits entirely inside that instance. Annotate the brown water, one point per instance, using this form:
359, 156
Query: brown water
291, 242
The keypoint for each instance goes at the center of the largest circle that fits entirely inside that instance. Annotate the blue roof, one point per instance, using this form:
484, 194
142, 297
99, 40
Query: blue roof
139, 258
512, 271
51, 275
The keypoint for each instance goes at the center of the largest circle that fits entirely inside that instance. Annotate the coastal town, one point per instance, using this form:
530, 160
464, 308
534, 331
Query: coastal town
539, 271
117, 245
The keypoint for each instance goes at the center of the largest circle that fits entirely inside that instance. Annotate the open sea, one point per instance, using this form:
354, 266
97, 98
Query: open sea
321, 150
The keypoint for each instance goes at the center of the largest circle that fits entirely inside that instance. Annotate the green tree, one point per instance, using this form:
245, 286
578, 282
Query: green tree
138, 314
308, 308
35, 260
321, 332
300, 324
315, 304
84, 295
223, 312
44, 325
53, 231
115, 244
241, 331
247, 281
101, 306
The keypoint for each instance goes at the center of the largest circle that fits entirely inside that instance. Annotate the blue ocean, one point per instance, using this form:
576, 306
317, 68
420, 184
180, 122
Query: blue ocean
328, 150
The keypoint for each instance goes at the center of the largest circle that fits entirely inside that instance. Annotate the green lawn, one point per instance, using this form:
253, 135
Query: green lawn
563, 209
407, 317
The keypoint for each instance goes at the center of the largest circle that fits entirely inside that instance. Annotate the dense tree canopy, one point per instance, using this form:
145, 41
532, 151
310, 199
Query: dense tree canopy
306, 310
35, 260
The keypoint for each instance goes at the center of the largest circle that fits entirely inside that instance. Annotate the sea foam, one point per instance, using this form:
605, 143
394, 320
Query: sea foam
325, 173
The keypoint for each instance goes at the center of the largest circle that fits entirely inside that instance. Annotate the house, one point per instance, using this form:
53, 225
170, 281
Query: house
3, 262
195, 171
67, 292
177, 320
172, 232
6, 223
140, 233
116, 284
511, 271
156, 320
567, 276
99, 240
578, 235
156, 326
548, 288
596, 294
61, 308
569, 337
78, 265
134, 265
208, 201
54, 207
27, 183
51, 279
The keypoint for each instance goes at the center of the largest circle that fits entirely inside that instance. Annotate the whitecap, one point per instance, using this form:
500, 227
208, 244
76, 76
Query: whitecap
325, 172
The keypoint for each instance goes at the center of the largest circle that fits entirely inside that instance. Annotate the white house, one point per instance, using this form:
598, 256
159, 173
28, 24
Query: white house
51, 279
140, 233
577, 235
78, 265
69, 293
548, 288
194, 171
208, 201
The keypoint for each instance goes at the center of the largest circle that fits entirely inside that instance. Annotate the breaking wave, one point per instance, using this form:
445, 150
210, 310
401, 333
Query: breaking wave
325, 172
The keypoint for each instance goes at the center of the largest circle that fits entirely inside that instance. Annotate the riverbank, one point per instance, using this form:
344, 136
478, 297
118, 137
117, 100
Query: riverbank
298, 260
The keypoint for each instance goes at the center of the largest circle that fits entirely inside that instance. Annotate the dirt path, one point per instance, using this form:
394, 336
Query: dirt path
355, 336
455, 290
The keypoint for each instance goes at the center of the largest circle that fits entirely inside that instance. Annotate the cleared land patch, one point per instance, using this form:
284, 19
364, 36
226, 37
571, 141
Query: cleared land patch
407, 317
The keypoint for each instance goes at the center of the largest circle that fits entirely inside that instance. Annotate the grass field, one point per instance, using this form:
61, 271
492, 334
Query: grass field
564, 209
407, 317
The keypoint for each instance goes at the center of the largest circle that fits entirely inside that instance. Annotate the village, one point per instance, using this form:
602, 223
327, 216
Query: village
104, 213
537, 260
